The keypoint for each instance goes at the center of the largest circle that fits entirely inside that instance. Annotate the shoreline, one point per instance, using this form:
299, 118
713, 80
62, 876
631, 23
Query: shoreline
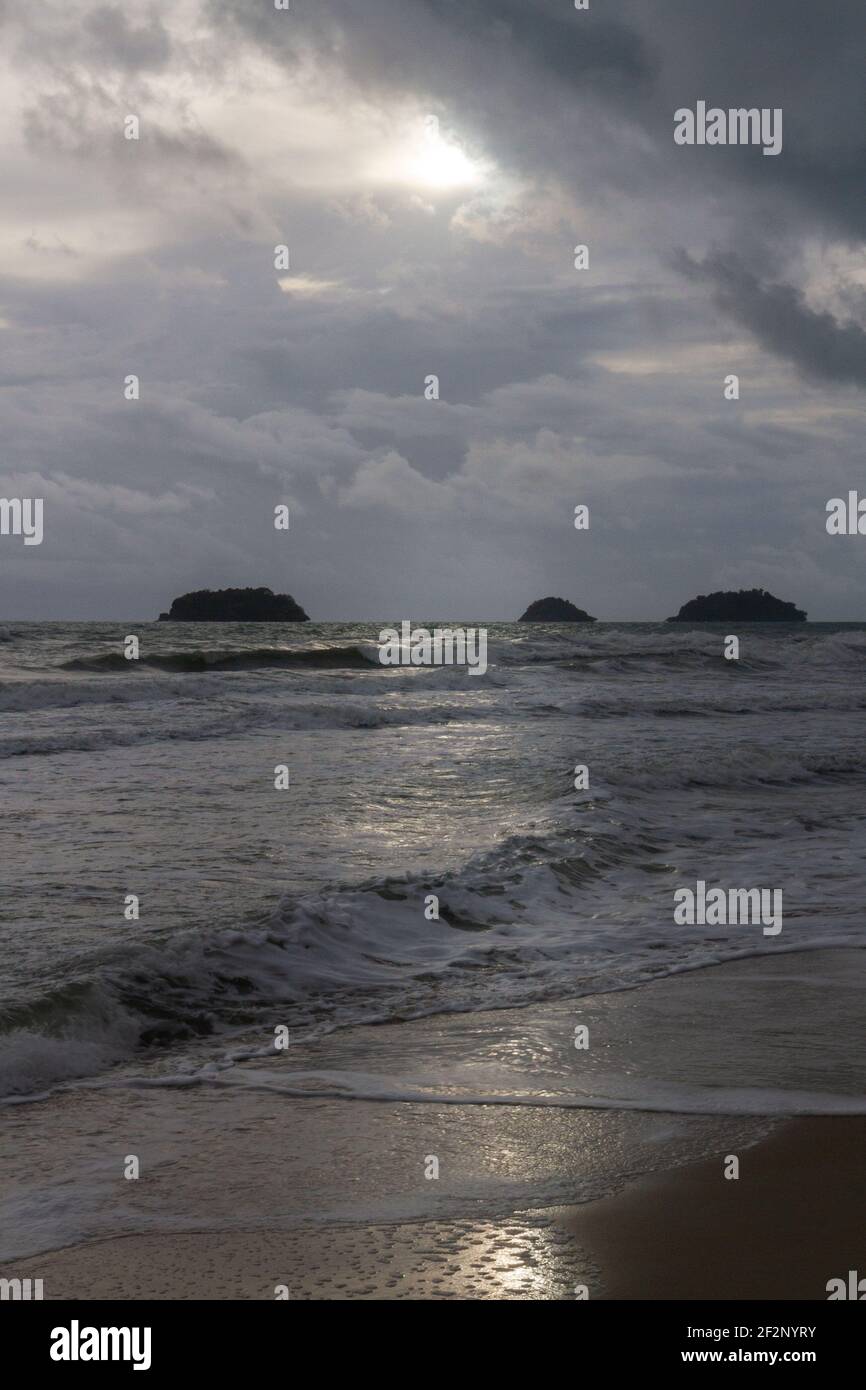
789, 1223
248, 1185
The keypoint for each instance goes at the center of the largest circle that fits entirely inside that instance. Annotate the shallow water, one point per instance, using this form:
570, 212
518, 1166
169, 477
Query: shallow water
339, 1130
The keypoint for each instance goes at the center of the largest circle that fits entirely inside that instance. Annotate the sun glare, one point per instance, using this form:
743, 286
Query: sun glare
428, 160
439, 164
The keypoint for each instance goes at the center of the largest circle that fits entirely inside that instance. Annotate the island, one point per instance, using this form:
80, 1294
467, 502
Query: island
738, 606
234, 606
554, 610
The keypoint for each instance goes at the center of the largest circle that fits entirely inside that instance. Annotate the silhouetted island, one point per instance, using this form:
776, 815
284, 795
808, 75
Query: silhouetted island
554, 610
234, 606
738, 606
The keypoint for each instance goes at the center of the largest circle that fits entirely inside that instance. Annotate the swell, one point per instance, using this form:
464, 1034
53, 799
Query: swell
699, 706
545, 915
610, 652
329, 958
203, 726
118, 685
742, 768
343, 658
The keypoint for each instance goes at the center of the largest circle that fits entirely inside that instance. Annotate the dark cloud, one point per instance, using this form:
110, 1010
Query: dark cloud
592, 94
261, 126
782, 321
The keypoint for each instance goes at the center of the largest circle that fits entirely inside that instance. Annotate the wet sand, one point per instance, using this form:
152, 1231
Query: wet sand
793, 1220
249, 1192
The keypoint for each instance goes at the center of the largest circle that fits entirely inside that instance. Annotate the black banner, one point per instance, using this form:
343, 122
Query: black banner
160, 1337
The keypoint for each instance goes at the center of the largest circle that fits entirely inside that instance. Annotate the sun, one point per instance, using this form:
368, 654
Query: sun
439, 163
426, 159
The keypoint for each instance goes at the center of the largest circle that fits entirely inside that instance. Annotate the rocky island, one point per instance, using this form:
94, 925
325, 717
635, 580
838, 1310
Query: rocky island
738, 606
554, 610
234, 606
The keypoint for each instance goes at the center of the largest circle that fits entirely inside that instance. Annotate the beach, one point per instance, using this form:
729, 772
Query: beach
249, 1190
680, 1235
422, 1018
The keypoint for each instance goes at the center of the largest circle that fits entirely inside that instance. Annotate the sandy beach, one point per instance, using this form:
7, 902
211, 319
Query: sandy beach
779, 1232
251, 1189
792, 1221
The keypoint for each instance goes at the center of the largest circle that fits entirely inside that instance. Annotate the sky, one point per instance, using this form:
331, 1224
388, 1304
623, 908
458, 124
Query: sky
431, 166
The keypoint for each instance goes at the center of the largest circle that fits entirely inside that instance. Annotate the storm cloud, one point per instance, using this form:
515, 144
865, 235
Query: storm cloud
431, 166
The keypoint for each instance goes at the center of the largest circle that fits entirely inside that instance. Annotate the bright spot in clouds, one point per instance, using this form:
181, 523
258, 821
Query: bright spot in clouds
439, 164
427, 159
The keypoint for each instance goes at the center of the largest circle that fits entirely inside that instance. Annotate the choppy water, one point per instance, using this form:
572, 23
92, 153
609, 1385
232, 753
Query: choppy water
306, 906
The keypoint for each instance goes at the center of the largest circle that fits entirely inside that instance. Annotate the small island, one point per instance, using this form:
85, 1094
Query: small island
234, 606
738, 606
554, 610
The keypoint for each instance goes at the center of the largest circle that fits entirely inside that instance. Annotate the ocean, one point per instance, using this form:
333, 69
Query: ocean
307, 909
